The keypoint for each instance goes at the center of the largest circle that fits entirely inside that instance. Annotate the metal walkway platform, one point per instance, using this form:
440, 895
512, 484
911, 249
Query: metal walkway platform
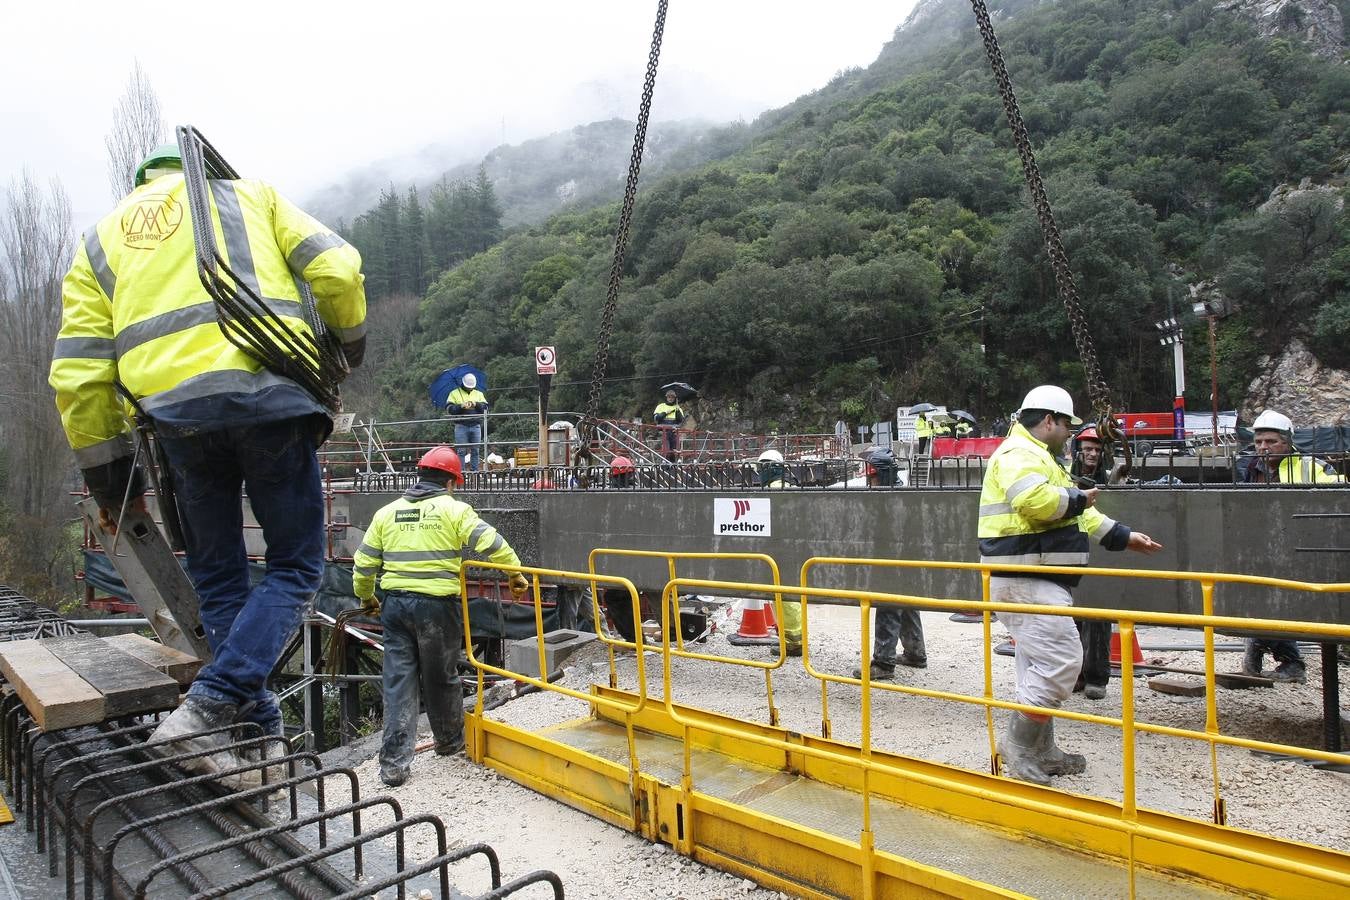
795, 821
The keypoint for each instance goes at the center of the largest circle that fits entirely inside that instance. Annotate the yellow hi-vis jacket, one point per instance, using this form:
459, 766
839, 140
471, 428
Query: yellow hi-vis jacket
922, 428
668, 414
1031, 513
1294, 469
418, 541
454, 404
134, 310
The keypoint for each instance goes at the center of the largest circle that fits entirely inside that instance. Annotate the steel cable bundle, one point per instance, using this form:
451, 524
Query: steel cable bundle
315, 361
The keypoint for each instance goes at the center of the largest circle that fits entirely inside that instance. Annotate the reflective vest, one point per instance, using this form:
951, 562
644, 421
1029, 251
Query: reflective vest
963, 428
668, 414
1296, 469
459, 396
135, 311
417, 541
921, 427
1031, 513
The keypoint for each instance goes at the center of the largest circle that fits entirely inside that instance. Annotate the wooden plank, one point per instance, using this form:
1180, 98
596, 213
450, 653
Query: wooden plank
127, 684
1167, 684
55, 695
178, 665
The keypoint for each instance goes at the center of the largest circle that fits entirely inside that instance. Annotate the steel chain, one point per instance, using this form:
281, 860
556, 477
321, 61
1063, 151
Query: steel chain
1059, 260
621, 237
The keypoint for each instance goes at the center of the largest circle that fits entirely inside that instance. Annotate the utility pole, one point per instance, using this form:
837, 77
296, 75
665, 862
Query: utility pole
1170, 335
1212, 309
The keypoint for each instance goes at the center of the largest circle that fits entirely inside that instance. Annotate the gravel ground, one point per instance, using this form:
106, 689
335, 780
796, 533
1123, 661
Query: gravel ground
597, 860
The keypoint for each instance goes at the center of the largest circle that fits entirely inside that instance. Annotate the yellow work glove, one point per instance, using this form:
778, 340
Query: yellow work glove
520, 585
371, 606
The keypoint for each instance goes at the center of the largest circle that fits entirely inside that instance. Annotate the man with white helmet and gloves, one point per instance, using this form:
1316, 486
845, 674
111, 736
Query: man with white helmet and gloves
1278, 461
1032, 514
466, 405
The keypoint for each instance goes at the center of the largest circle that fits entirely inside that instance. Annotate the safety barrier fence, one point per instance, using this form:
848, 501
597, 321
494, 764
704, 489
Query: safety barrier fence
1134, 828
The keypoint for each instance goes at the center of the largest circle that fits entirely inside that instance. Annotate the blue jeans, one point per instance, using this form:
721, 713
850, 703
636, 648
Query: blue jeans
468, 437
248, 627
423, 638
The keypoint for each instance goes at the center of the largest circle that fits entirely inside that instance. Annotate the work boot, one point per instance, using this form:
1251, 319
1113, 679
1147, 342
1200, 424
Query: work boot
913, 660
449, 749
1290, 673
197, 714
1055, 761
393, 777
1251, 659
1020, 749
793, 641
879, 672
1094, 691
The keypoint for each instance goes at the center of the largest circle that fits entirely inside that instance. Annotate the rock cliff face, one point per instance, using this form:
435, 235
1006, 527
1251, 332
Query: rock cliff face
1296, 384
1317, 23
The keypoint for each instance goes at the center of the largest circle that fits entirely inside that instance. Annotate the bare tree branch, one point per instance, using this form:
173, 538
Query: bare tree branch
36, 246
136, 130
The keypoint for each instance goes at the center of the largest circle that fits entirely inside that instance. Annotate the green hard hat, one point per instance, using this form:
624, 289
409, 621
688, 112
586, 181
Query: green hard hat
164, 153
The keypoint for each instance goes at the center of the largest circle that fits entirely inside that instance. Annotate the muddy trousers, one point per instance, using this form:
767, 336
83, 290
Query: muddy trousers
423, 639
1049, 654
896, 627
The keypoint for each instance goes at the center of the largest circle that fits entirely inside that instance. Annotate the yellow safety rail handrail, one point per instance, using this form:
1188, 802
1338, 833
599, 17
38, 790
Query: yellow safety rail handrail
1128, 823
627, 710
1206, 580
671, 557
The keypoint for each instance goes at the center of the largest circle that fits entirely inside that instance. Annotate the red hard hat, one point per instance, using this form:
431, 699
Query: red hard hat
621, 465
1089, 434
443, 459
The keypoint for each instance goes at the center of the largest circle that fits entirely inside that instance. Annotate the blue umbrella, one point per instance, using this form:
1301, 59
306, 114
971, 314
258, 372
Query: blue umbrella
450, 379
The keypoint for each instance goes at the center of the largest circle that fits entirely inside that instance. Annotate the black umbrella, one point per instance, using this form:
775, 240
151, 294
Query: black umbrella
921, 408
962, 414
683, 390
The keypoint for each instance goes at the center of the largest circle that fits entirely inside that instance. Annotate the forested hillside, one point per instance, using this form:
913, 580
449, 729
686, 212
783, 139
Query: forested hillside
872, 244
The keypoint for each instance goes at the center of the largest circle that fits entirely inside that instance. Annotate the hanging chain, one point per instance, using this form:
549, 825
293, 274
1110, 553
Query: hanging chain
1059, 260
625, 220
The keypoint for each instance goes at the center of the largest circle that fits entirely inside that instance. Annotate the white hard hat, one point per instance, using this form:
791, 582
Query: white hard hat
772, 456
1270, 420
1055, 399
470, 381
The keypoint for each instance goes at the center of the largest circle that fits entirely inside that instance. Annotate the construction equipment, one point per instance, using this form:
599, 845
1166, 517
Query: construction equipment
153, 576
313, 359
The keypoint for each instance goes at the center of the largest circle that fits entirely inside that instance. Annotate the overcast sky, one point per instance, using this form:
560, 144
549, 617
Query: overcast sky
301, 93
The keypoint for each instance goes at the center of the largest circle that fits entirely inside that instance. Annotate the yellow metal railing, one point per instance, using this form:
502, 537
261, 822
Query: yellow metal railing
1130, 823
671, 558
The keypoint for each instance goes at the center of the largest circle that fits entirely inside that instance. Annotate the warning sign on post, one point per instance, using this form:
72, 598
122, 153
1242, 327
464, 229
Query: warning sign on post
545, 361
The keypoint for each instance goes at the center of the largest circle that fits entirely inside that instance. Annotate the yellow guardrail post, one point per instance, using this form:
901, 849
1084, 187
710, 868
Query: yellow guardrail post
1212, 701
1128, 809
987, 625
671, 557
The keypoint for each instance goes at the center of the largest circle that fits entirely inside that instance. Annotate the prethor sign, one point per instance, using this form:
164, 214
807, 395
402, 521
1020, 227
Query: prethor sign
747, 518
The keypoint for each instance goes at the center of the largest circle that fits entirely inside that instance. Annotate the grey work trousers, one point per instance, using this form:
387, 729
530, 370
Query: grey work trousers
895, 626
423, 639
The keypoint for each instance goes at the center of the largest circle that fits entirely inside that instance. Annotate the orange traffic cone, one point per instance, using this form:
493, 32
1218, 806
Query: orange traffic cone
769, 618
1115, 647
754, 630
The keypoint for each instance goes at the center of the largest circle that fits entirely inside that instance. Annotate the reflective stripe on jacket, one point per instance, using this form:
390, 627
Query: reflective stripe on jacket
417, 541
668, 414
459, 396
1296, 469
1031, 514
135, 310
